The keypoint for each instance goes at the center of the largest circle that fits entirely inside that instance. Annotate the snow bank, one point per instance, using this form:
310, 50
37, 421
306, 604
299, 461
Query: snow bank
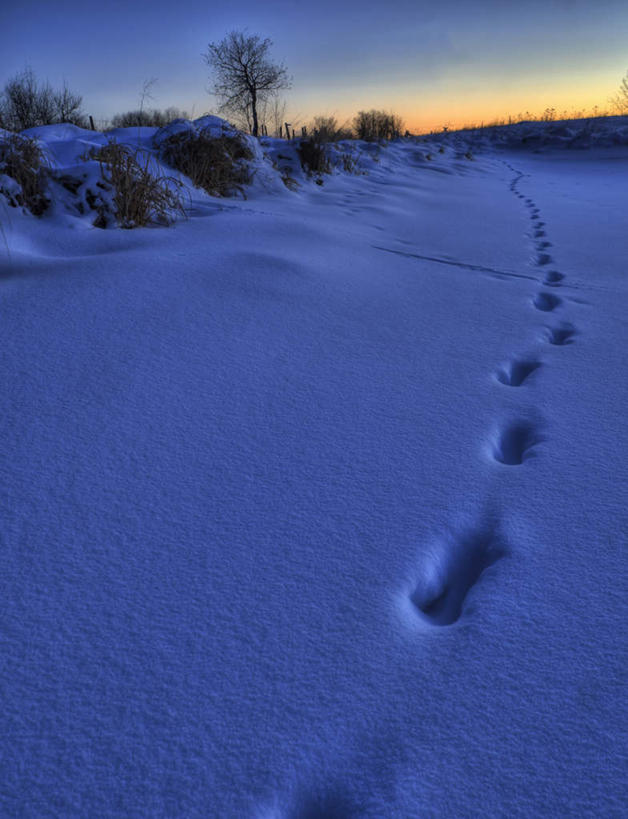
595, 132
275, 164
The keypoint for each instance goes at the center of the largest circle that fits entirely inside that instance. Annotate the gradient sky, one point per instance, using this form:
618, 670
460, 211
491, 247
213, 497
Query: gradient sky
436, 62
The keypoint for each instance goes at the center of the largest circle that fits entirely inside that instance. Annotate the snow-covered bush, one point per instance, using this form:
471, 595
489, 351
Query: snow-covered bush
22, 173
217, 163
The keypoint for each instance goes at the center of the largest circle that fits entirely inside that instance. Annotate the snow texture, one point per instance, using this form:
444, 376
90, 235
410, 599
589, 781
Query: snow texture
314, 503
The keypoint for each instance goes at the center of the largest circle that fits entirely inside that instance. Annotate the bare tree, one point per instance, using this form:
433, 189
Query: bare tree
68, 106
244, 75
24, 103
620, 100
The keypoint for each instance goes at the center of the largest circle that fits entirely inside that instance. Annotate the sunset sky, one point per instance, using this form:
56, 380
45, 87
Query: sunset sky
435, 63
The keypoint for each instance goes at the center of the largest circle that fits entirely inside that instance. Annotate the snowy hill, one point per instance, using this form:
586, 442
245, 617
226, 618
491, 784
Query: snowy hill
591, 132
314, 502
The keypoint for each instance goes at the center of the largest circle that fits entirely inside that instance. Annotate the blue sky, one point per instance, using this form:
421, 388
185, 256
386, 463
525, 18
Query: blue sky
434, 62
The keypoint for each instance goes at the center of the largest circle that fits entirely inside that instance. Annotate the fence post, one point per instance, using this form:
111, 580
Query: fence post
287, 124
91, 122
304, 131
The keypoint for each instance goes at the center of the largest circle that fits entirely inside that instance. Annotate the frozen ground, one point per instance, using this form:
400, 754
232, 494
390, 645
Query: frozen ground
314, 504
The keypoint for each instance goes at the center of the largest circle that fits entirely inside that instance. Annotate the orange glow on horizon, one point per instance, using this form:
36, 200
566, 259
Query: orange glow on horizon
431, 109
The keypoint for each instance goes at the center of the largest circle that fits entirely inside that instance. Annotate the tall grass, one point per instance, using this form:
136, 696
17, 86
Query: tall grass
139, 197
22, 160
548, 115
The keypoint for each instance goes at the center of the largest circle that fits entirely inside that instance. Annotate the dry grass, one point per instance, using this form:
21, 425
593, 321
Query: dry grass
215, 164
22, 160
139, 197
548, 115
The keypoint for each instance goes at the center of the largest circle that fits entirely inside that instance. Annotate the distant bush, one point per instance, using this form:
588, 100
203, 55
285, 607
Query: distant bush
25, 103
326, 129
150, 118
138, 197
22, 161
374, 125
215, 164
620, 101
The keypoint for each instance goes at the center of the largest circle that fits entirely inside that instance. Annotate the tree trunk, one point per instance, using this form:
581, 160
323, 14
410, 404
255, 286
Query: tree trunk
254, 107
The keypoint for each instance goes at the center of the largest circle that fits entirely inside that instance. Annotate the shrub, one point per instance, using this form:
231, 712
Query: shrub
24, 103
148, 118
22, 161
313, 156
138, 196
326, 129
215, 164
374, 125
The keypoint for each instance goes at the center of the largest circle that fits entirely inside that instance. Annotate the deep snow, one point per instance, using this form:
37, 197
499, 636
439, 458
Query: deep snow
314, 504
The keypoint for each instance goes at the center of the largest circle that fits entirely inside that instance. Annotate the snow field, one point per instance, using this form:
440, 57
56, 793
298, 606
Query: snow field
314, 503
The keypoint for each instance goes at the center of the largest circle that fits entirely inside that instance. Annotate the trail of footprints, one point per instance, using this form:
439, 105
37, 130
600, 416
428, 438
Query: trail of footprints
456, 562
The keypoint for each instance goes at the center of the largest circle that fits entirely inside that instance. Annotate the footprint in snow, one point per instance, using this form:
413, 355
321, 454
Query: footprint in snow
513, 444
554, 278
546, 302
450, 570
324, 805
543, 259
515, 372
561, 335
